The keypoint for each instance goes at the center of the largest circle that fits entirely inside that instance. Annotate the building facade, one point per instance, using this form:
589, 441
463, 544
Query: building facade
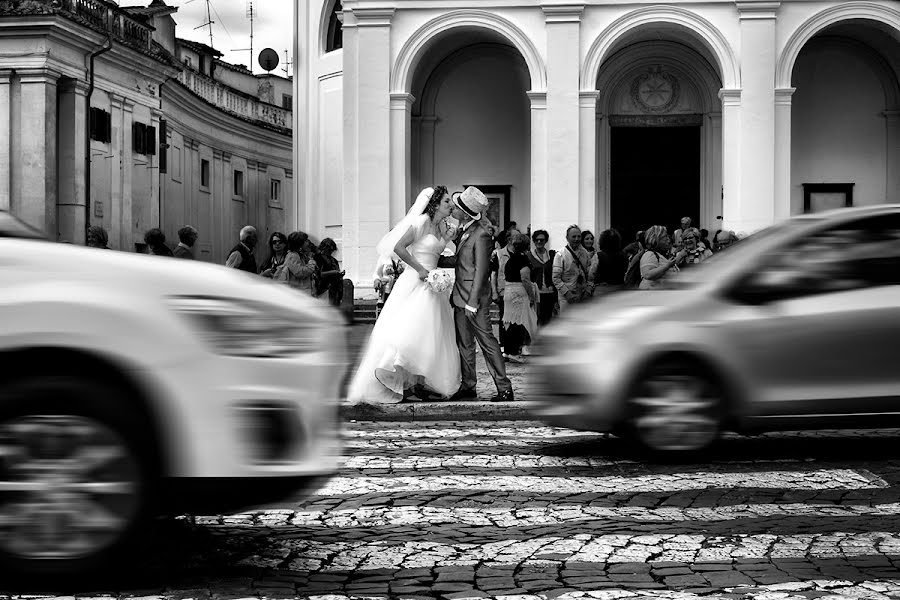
623, 114
156, 128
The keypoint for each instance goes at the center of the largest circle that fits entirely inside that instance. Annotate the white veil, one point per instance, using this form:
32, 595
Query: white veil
385, 247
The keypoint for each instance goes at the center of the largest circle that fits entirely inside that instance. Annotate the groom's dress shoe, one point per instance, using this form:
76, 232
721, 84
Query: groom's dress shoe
506, 396
463, 394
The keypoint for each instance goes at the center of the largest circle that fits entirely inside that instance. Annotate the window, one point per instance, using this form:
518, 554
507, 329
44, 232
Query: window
335, 36
275, 190
101, 125
287, 102
204, 173
143, 138
825, 196
861, 254
238, 183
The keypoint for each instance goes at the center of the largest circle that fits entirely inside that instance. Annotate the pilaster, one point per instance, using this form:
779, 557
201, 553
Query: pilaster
587, 158
731, 158
563, 27
35, 189
5, 139
758, 52
401, 143
540, 212
783, 208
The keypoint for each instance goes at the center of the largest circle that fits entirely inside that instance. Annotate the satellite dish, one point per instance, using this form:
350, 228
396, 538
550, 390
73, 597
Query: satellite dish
268, 59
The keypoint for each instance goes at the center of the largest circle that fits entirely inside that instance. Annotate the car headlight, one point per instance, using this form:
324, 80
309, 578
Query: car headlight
242, 328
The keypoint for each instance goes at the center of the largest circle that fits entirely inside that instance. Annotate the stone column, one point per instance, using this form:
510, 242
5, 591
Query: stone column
72, 124
758, 57
563, 187
153, 166
5, 139
731, 158
367, 125
401, 142
587, 159
892, 160
540, 212
34, 190
783, 208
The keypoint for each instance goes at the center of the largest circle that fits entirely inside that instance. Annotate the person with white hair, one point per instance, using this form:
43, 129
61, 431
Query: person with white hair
241, 256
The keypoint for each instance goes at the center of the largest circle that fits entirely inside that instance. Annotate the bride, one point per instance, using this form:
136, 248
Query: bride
414, 339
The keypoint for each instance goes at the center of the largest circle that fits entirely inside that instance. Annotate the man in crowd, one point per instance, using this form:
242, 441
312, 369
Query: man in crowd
187, 237
570, 270
676, 239
241, 256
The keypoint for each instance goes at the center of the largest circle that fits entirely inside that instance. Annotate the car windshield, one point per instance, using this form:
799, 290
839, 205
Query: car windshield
11, 227
710, 269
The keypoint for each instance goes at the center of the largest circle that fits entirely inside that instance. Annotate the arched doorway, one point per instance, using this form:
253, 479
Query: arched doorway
659, 135
470, 121
845, 124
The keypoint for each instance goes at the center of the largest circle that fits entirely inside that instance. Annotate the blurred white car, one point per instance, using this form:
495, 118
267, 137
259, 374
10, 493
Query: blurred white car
134, 386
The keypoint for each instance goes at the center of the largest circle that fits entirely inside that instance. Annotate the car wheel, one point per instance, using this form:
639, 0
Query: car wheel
76, 476
675, 410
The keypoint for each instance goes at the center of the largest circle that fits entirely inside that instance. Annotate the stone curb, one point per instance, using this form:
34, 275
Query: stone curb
439, 411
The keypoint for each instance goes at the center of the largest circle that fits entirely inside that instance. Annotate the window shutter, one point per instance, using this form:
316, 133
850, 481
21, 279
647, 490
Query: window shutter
137, 137
107, 123
163, 146
150, 143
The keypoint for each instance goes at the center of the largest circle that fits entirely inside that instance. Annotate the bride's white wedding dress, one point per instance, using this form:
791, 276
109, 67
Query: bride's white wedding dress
414, 340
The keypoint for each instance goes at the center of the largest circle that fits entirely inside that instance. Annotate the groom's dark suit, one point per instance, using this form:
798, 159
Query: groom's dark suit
472, 266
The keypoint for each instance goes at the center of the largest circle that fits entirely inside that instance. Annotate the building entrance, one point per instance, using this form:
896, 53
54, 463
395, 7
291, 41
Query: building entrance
654, 178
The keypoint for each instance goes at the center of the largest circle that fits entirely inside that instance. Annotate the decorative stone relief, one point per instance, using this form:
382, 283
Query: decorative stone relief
655, 91
266, 91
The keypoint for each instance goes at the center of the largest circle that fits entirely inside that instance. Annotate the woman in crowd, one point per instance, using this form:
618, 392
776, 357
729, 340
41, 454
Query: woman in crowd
331, 277
519, 299
655, 265
542, 274
156, 242
299, 268
696, 251
277, 253
611, 262
587, 242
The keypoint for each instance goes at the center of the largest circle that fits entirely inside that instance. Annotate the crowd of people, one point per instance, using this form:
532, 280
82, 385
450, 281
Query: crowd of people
292, 260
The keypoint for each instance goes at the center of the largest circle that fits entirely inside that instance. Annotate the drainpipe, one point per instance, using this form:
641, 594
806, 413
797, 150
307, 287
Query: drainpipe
106, 47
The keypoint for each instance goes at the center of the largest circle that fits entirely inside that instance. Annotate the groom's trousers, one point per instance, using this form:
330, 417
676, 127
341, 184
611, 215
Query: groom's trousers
468, 330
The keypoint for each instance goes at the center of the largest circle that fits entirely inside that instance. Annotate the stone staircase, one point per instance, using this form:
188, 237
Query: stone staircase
364, 312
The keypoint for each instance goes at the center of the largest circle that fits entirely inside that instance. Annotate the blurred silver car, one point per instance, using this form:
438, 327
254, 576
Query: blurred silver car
796, 327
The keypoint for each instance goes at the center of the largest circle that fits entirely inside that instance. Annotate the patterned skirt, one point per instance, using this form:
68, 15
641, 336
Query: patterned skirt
517, 308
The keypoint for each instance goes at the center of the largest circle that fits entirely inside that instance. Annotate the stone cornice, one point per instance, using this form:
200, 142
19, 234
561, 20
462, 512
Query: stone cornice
757, 9
562, 13
783, 96
730, 97
588, 98
402, 101
538, 100
373, 17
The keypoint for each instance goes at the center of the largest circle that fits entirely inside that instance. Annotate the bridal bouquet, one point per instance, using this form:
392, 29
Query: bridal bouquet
439, 281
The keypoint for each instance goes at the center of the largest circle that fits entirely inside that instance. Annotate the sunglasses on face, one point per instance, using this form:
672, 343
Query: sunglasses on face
540, 241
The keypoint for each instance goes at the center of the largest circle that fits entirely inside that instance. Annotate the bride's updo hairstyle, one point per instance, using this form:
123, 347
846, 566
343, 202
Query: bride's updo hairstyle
435, 201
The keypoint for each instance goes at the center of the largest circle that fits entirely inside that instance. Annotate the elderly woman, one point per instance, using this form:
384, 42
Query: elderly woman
655, 264
691, 244
519, 299
299, 266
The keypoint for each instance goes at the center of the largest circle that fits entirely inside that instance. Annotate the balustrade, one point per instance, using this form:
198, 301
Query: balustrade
227, 99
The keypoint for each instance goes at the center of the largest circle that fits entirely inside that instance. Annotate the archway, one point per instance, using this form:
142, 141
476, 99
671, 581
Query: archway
844, 124
659, 132
470, 121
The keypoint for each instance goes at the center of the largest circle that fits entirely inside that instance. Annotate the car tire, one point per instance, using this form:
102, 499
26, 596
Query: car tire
675, 411
77, 478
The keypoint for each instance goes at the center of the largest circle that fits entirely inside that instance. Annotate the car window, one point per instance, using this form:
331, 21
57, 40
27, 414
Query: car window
864, 253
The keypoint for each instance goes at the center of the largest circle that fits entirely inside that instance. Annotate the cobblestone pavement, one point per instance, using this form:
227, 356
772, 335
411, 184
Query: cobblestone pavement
518, 511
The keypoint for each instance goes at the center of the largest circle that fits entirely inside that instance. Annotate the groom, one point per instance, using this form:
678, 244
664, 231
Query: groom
471, 297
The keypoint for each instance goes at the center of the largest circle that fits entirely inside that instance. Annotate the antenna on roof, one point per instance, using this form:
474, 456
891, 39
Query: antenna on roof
250, 15
287, 64
209, 22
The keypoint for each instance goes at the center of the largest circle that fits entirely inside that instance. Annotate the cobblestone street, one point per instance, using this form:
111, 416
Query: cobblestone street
517, 510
